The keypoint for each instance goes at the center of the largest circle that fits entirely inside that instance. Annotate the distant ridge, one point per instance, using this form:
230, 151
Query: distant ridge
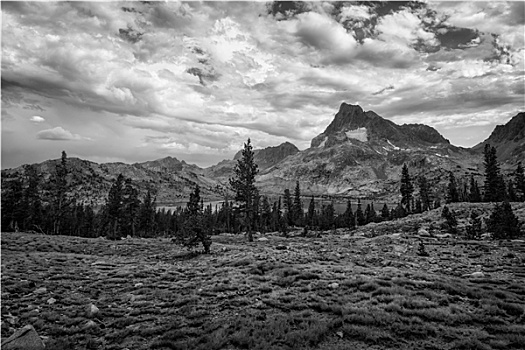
508, 139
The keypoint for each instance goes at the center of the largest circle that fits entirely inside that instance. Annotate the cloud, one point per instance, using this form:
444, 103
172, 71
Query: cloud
328, 36
37, 119
211, 74
58, 134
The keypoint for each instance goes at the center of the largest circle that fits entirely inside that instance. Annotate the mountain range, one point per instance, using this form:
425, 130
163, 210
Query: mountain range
359, 154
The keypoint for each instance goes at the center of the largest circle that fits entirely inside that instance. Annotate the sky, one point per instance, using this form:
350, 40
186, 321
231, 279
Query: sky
137, 81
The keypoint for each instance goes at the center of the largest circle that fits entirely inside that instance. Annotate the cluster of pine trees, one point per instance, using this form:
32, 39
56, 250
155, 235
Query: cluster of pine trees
30, 205
50, 208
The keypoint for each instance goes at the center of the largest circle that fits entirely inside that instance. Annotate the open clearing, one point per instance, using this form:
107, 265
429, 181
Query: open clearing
339, 291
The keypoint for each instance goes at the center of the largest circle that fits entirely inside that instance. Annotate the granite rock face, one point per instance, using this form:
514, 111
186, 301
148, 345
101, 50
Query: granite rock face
25, 338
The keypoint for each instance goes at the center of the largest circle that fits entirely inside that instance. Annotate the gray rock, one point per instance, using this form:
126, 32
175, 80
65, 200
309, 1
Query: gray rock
25, 338
263, 239
41, 290
423, 233
477, 274
333, 285
91, 311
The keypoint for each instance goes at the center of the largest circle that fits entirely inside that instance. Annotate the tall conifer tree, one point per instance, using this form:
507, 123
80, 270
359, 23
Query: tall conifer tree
407, 188
243, 183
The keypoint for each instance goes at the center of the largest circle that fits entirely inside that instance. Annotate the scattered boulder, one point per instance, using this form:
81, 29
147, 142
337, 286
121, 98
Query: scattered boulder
89, 325
92, 311
41, 290
51, 301
477, 274
25, 338
423, 233
262, 239
333, 285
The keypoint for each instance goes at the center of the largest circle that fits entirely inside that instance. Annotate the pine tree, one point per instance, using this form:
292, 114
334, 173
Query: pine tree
474, 230
13, 213
266, 215
311, 213
418, 208
146, 220
511, 192
288, 207
359, 216
130, 209
327, 217
276, 217
452, 195
494, 185
348, 216
370, 213
400, 211
385, 212
243, 183
32, 202
114, 209
520, 183
474, 192
298, 212
194, 230
424, 193
407, 188
60, 201
503, 223
451, 222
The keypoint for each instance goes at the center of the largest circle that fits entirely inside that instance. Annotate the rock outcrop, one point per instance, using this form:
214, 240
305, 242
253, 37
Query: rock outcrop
508, 139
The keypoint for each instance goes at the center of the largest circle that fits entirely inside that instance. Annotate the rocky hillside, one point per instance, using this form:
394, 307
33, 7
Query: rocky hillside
265, 159
509, 140
361, 154
169, 178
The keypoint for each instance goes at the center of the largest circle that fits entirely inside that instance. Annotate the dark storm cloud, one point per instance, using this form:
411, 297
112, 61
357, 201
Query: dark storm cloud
283, 10
455, 38
130, 34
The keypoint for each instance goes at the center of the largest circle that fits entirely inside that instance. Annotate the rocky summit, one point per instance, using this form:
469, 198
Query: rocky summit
352, 123
360, 154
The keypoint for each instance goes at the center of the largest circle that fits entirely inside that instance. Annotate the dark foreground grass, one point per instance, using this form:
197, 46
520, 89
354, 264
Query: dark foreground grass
247, 296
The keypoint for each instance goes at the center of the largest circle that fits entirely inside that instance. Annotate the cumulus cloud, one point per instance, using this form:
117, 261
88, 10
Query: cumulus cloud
37, 119
58, 134
173, 77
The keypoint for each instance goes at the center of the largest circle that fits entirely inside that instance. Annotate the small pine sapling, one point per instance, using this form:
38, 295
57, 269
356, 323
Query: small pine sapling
451, 223
421, 251
474, 229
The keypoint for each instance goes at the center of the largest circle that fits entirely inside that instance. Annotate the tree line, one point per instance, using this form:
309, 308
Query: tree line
29, 205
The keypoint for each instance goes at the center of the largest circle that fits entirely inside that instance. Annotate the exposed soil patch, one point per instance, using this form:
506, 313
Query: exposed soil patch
335, 292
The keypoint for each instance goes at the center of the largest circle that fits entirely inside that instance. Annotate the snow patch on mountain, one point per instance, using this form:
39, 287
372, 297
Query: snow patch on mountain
360, 134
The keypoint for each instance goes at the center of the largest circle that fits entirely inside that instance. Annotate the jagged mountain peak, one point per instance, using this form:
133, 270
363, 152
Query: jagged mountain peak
352, 122
349, 117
